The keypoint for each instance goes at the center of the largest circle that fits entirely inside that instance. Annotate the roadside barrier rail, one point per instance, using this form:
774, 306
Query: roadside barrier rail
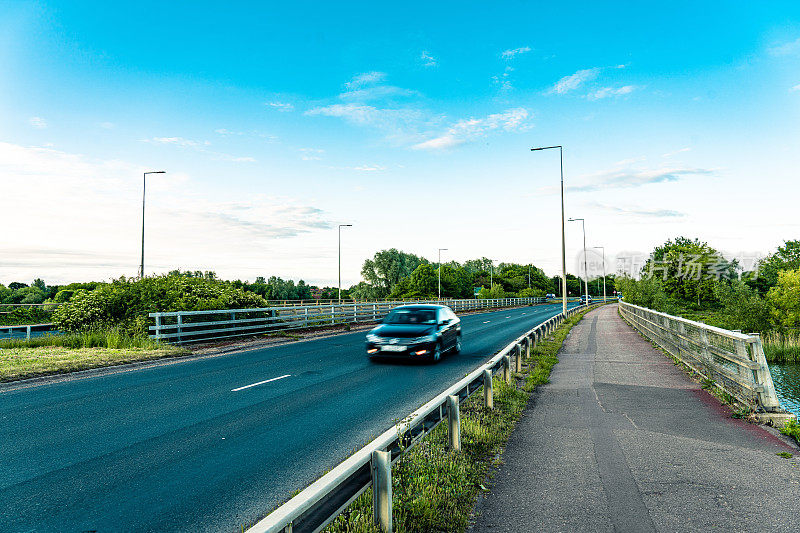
182, 327
734, 361
24, 331
322, 501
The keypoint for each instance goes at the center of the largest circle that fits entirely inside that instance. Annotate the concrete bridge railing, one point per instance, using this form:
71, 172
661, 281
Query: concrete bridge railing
734, 361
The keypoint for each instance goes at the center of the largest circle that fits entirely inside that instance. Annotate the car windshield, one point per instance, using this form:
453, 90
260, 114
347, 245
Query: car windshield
411, 316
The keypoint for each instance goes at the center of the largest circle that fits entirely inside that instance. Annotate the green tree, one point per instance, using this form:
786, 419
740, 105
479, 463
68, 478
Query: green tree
787, 257
385, 270
784, 300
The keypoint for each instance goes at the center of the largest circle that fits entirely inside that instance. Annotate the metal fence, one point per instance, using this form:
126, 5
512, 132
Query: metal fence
193, 326
734, 361
322, 501
25, 331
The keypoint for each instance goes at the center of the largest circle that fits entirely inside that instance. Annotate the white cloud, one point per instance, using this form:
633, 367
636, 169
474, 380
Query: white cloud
504, 80
177, 141
795, 88
427, 59
786, 49
471, 129
280, 106
573, 81
227, 132
367, 115
370, 168
676, 152
607, 92
377, 92
366, 78
630, 178
639, 211
510, 54
37, 122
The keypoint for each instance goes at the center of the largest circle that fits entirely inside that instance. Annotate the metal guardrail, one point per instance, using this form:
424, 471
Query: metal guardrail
322, 501
24, 330
193, 326
734, 361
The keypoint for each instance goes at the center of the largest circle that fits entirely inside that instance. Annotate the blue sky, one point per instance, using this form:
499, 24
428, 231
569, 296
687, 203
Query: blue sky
413, 122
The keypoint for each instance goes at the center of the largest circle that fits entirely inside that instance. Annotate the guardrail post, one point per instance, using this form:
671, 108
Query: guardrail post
28, 332
506, 369
158, 326
453, 423
518, 358
488, 390
381, 465
180, 324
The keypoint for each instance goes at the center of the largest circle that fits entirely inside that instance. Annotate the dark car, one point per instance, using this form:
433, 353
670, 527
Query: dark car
416, 332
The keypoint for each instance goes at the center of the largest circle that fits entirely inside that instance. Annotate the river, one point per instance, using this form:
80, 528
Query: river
787, 385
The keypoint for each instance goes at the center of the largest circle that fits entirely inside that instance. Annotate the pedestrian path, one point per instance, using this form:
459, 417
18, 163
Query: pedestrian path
622, 440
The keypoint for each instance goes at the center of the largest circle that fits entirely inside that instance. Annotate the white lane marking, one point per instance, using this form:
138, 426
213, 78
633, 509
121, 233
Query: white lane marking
508, 317
524, 313
260, 383
486, 321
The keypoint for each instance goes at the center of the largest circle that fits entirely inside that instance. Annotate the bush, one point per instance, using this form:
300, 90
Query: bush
126, 303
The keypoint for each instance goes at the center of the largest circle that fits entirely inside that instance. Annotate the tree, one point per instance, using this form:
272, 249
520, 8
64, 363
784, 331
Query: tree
787, 257
784, 300
387, 267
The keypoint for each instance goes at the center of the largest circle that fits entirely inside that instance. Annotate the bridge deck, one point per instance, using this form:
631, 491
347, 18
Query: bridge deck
622, 440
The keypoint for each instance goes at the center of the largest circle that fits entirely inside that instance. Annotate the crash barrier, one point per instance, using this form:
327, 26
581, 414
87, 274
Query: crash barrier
25, 331
322, 501
734, 361
181, 327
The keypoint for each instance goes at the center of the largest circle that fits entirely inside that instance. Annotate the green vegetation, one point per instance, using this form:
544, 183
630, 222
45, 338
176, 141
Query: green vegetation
785, 455
691, 279
792, 429
434, 488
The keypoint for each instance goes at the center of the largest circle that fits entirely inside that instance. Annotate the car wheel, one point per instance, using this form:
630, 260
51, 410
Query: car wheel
457, 347
437, 353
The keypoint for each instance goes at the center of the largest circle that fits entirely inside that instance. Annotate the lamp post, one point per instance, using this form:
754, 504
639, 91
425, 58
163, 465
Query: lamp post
144, 189
440, 271
340, 257
563, 240
604, 271
585, 270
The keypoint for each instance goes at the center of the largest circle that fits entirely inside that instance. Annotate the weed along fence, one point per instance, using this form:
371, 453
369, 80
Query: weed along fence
371, 466
193, 326
734, 361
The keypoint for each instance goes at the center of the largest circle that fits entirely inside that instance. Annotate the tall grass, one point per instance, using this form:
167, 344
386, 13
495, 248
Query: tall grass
781, 347
97, 338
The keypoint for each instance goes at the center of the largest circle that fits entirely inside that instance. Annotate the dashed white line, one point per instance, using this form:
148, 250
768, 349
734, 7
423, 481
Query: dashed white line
486, 321
260, 383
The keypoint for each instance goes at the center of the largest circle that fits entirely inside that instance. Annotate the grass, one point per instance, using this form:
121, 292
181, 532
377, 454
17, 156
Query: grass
781, 348
792, 429
60, 354
435, 488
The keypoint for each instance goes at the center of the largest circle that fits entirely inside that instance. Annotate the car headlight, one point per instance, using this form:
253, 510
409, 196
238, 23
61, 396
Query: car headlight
373, 338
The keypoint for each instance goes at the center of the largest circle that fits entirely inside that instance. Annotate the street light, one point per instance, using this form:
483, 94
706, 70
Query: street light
563, 240
340, 257
144, 188
440, 271
604, 270
585, 270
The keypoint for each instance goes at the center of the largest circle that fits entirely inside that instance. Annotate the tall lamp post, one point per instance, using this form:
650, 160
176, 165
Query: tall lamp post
440, 271
340, 257
144, 189
585, 270
604, 270
563, 240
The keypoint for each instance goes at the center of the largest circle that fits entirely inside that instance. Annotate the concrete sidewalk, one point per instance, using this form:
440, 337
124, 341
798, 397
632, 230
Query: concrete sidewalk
622, 440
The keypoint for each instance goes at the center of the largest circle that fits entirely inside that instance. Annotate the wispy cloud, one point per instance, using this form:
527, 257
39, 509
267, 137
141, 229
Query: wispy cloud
427, 59
366, 78
639, 212
630, 178
311, 154
573, 81
785, 49
474, 128
503, 81
178, 141
370, 168
795, 88
37, 122
376, 93
607, 92
676, 152
510, 54
283, 107
367, 115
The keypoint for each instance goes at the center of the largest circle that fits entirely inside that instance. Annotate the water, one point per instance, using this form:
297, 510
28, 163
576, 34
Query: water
787, 385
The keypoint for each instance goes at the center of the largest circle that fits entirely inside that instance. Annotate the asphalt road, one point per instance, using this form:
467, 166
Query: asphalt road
190, 447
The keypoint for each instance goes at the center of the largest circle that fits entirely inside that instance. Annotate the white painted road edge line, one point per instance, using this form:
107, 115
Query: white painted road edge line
260, 383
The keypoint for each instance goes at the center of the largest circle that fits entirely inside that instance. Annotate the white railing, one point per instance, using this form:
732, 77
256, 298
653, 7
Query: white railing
322, 501
193, 326
734, 361
24, 331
